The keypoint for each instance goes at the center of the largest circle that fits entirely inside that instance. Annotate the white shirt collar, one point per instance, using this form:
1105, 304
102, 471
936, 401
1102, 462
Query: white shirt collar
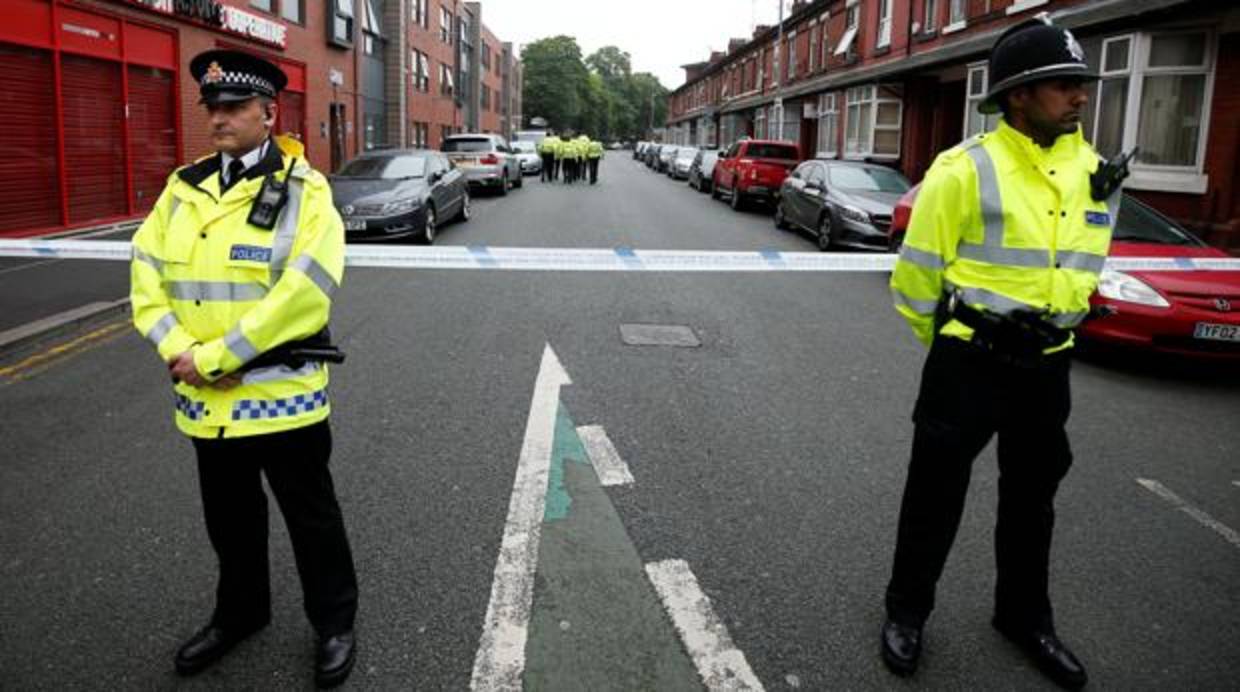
248, 160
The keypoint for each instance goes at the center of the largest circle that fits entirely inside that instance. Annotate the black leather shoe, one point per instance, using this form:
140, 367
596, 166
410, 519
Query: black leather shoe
334, 659
208, 646
1044, 648
901, 647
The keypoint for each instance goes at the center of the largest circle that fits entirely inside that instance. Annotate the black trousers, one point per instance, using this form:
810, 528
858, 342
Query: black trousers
966, 397
235, 507
556, 168
548, 168
593, 171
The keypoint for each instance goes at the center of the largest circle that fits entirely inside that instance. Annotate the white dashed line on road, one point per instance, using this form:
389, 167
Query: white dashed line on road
1202, 518
720, 664
607, 463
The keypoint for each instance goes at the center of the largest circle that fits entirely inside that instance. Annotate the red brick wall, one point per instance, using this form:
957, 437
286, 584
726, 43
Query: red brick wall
305, 44
489, 117
432, 108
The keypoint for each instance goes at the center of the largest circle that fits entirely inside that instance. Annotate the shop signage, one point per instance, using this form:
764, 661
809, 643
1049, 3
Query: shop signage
214, 13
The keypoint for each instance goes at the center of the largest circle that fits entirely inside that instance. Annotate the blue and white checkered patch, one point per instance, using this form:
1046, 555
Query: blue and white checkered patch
193, 410
250, 253
1097, 218
255, 409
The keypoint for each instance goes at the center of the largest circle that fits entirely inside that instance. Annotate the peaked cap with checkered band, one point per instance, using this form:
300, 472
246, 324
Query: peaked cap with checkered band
230, 75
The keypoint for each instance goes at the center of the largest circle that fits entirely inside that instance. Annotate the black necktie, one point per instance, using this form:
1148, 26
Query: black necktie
235, 169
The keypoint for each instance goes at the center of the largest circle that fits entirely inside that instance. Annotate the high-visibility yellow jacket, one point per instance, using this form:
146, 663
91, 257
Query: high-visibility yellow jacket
1012, 225
594, 149
548, 144
204, 280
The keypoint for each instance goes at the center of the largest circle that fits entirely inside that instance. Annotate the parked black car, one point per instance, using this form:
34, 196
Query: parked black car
702, 169
399, 193
842, 203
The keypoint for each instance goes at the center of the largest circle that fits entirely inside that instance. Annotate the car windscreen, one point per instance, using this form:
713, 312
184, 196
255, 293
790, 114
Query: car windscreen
867, 179
476, 144
771, 151
523, 146
386, 167
1139, 224
686, 153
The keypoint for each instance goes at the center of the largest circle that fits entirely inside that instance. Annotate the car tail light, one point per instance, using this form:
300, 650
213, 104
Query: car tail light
899, 219
489, 160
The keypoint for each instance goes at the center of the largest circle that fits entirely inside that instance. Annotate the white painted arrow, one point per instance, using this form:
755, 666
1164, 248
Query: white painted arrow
501, 651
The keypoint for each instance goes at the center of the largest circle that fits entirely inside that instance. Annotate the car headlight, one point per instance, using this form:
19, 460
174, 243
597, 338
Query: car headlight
400, 206
854, 214
1128, 288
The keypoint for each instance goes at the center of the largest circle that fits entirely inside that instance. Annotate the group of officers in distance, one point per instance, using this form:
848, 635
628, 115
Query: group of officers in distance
239, 260
572, 158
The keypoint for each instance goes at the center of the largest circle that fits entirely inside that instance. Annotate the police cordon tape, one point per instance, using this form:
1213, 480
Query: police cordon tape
594, 259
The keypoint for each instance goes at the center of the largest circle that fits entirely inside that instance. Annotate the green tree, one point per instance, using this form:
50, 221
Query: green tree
555, 79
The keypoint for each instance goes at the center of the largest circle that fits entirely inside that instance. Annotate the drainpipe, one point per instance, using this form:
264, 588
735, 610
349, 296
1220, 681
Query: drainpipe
778, 111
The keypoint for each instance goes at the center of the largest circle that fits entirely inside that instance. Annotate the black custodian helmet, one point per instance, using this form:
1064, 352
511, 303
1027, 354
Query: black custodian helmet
1031, 51
229, 75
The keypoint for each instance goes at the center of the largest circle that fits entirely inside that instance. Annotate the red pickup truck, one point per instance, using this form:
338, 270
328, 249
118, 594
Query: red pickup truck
753, 169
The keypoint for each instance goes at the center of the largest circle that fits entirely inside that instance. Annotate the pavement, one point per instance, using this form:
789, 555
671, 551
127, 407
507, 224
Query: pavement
767, 465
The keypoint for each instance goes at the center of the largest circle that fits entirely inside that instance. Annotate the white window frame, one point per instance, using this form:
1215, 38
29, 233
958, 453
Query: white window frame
1022, 5
759, 123
1189, 179
852, 19
957, 15
884, 24
871, 93
828, 112
813, 41
978, 70
791, 72
445, 25
826, 39
930, 17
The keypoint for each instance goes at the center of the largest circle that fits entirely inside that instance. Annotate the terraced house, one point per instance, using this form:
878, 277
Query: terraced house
897, 81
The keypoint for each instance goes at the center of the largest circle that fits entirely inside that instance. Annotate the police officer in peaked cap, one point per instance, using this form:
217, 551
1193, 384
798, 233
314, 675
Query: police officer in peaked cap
1004, 247
235, 265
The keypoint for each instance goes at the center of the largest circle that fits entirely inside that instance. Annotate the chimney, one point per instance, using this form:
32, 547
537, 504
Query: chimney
760, 29
716, 56
736, 44
798, 5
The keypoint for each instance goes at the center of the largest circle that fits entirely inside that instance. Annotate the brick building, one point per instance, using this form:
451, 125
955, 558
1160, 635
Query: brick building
101, 105
897, 81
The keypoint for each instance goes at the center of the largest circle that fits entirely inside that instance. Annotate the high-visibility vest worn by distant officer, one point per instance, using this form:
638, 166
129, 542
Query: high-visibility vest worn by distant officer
1009, 224
548, 144
204, 279
595, 149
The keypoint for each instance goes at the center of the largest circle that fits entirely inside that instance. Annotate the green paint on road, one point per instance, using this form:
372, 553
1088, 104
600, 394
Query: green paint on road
597, 623
566, 447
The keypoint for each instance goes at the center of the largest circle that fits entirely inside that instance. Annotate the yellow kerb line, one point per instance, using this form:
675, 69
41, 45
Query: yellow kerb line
60, 349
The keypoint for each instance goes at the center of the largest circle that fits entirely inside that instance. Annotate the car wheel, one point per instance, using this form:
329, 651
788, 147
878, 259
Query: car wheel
521, 179
824, 233
780, 222
736, 200
428, 232
465, 212
714, 190
503, 186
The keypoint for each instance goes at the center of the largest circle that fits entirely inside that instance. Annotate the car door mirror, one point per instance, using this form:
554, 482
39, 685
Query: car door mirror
436, 176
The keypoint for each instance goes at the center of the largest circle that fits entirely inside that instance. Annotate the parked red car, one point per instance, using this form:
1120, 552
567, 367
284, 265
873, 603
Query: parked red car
1190, 313
753, 169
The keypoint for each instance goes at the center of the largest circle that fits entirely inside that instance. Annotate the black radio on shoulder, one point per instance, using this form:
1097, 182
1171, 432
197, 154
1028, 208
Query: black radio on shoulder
270, 199
1109, 176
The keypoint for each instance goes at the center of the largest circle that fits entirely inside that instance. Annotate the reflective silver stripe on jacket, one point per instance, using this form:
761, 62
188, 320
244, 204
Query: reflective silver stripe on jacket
1007, 256
921, 307
1087, 261
921, 258
286, 230
988, 191
240, 346
161, 328
224, 291
316, 273
279, 372
1003, 305
155, 263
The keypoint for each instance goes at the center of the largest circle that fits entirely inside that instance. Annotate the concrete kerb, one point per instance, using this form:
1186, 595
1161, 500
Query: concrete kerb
24, 338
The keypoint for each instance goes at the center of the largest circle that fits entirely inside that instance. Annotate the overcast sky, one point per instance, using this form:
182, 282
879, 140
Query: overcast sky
660, 35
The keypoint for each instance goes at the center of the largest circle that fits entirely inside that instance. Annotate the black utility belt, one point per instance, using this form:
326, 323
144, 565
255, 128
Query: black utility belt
1022, 335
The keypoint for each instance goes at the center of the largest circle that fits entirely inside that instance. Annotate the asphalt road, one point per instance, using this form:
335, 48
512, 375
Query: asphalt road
770, 459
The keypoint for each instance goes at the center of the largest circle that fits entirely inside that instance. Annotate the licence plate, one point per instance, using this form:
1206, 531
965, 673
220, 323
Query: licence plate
1217, 332
758, 190
355, 224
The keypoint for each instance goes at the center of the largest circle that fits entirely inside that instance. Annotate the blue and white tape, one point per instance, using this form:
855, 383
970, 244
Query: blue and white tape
594, 259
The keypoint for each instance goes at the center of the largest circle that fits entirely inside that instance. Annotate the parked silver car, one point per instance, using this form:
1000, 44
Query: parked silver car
702, 169
679, 168
843, 203
666, 154
527, 155
486, 160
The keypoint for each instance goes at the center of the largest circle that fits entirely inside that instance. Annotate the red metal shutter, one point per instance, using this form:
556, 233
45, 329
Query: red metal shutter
29, 183
152, 132
94, 137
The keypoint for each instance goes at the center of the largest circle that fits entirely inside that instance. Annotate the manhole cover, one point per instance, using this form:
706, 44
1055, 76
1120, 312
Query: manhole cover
658, 335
